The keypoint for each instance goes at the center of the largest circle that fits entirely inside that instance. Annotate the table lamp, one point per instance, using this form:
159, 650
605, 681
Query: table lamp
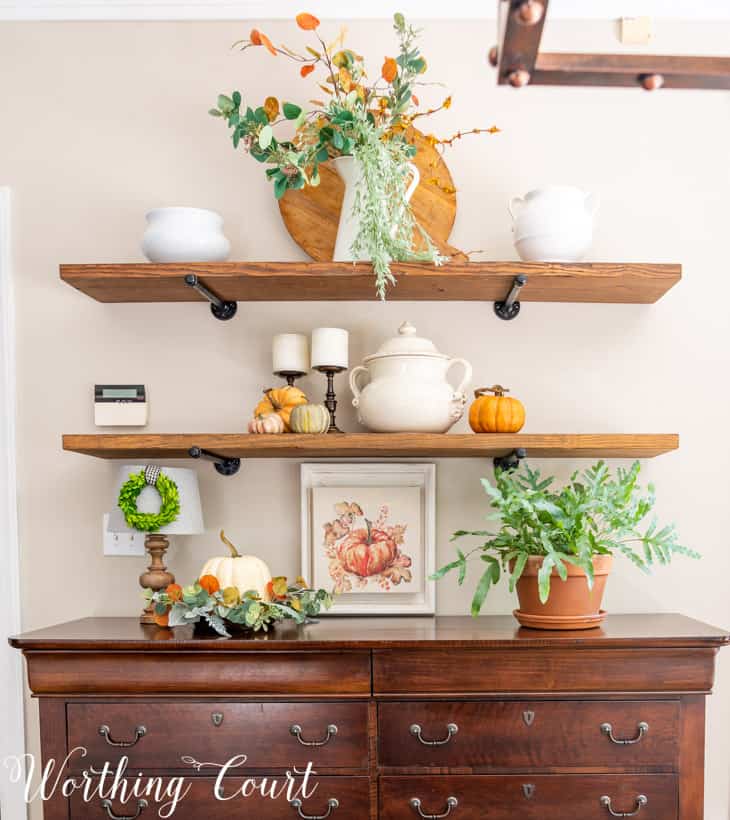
189, 521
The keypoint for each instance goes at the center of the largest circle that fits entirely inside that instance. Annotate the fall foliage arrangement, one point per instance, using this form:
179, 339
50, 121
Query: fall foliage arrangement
223, 609
359, 117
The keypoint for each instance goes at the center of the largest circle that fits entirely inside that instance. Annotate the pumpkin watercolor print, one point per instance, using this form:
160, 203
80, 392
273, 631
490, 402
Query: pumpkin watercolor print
368, 534
365, 553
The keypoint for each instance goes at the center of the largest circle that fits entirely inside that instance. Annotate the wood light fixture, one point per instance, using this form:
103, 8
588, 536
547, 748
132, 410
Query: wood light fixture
519, 62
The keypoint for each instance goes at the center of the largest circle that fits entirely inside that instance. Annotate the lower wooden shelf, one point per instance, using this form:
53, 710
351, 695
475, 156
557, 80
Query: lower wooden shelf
373, 445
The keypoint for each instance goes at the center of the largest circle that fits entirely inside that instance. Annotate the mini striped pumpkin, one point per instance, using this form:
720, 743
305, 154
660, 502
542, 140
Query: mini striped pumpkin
310, 418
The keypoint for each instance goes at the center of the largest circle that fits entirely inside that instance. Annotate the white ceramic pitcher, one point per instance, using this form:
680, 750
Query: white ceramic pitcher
553, 224
350, 171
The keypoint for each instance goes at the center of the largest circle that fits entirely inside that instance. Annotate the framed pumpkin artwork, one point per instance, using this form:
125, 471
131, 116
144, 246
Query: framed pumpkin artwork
368, 535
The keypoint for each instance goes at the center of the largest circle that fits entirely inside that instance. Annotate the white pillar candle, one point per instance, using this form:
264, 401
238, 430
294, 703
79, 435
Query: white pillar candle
290, 353
329, 347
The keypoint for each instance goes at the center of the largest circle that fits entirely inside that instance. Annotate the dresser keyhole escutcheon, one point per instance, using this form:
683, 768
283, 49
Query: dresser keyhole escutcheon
217, 718
528, 789
528, 716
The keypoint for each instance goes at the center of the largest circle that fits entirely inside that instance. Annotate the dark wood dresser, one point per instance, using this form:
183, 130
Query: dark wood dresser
400, 718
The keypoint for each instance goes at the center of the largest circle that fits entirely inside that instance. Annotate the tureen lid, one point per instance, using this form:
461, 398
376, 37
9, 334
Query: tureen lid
407, 343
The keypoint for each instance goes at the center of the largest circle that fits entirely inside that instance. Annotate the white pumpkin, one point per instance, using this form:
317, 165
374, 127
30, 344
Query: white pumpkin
245, 572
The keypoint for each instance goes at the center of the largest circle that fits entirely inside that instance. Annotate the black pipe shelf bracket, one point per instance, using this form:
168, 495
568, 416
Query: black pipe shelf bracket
509, 307
220, 308
511, 461
225, 465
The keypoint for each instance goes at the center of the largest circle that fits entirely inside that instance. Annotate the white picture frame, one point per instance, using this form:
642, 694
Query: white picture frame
395, 501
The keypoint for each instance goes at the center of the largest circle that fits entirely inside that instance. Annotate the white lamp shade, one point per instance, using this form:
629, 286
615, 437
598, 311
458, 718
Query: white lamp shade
190, 518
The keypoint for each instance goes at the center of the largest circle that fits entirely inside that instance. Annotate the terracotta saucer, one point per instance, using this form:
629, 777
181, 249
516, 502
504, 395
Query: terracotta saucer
560, 621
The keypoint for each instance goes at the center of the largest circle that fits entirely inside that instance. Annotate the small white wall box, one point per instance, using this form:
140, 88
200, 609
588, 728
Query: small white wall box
120, 405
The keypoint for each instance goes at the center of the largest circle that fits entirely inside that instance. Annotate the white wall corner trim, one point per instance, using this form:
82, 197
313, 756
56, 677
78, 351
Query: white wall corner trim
12, 732
346, 9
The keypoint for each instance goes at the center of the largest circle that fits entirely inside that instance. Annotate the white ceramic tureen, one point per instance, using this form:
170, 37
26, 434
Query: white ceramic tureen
406, 390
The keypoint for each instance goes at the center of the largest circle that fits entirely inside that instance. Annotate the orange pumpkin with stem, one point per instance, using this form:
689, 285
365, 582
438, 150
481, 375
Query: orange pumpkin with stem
495, 413
367, 552
281, 401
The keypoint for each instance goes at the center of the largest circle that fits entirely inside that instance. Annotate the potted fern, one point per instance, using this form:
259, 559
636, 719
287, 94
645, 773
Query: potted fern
556, 546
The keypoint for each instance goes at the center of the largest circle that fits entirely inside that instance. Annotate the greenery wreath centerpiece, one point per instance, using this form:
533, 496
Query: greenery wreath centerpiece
228, 609
169, 500
361, 115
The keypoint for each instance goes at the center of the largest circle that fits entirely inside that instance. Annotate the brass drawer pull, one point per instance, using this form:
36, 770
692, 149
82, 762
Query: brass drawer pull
451, 803
641, 801
332, 804
139, 733
296, 730
107, 804
607, 730
451, 730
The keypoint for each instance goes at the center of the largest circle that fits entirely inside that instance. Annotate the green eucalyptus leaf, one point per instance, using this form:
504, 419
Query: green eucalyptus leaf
280, 186
291, 111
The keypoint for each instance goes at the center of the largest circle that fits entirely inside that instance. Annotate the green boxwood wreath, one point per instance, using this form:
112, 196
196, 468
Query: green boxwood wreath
149, 522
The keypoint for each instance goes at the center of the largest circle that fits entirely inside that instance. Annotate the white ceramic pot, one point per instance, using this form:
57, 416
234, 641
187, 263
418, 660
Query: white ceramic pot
185, 235
553, 224
350, 172
407, 390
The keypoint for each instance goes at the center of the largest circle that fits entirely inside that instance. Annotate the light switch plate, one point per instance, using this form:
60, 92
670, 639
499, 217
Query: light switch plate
122, 543
635, 31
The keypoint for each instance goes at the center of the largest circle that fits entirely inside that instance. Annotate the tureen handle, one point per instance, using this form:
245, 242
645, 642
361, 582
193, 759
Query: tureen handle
459, 393
354, 386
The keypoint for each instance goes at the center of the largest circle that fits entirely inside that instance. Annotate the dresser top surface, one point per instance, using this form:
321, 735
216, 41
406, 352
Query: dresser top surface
332, 633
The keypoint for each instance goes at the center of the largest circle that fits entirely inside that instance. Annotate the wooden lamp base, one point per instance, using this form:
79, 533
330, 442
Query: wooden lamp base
157, 577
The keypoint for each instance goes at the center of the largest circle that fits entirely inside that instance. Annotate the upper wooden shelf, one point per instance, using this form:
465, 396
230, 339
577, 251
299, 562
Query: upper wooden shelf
637, 283
372, 445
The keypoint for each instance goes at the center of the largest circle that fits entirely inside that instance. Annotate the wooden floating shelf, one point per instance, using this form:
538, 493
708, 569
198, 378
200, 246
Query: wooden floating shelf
636, 283
372, 445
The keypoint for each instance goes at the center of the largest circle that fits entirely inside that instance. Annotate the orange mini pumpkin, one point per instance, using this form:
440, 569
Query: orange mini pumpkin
209, 583
495, 413
280, 400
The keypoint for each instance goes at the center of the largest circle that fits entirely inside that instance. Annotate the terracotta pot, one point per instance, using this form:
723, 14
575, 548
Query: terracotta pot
571, 604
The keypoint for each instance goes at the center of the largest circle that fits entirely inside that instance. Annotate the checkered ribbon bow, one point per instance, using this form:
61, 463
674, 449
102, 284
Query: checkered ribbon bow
151, 474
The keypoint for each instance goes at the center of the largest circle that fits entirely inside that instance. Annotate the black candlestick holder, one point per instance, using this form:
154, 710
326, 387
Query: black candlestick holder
290, 375
330, 397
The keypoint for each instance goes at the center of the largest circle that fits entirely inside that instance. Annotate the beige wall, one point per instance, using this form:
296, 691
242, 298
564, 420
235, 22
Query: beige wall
100, 122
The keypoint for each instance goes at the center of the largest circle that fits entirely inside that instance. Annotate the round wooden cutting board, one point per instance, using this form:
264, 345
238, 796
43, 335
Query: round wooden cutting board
311, 215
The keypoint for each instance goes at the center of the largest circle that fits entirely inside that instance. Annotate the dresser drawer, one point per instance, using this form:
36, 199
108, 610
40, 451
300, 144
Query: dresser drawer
529, 734
351, 794
158, 735
539, 797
